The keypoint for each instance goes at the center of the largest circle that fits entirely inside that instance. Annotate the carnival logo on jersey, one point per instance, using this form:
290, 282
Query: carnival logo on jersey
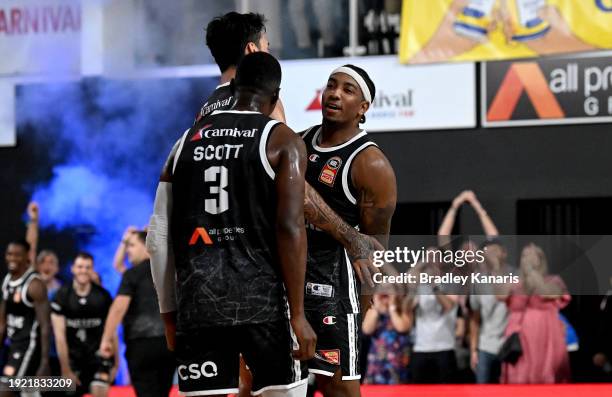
313, 157
330, 171
329, 320
524, 77
330, 356
200, 234
198, 135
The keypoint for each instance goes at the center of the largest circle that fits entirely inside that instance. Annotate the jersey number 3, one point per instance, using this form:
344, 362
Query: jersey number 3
217, 175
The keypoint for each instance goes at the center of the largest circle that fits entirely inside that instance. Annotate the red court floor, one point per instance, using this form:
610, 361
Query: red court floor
577, 390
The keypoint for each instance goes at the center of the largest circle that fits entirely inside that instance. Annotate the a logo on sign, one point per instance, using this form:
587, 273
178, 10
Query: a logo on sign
329, 320
315, 104
330, 171
524, 77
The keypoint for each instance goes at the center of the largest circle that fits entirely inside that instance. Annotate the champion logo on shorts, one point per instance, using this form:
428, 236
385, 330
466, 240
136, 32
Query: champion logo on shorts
330, 171
329, 320
330, 356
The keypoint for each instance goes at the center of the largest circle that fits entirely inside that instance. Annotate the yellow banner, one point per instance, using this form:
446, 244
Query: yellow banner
475, 30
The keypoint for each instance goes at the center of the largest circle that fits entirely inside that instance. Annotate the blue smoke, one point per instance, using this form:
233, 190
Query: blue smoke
103, 143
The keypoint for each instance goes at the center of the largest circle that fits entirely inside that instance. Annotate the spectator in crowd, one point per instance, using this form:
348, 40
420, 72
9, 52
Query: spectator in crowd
120, 253
46, 264
488, 317
434, 312
446, 228
79, 311
150, 364
534, 306
388, 323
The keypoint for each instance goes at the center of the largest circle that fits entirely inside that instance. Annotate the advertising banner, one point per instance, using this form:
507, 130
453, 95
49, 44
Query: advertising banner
477, 30
547, 91
407, 98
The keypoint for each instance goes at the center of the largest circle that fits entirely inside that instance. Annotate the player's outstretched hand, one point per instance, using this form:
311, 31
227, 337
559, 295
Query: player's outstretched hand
362, 257
306, 337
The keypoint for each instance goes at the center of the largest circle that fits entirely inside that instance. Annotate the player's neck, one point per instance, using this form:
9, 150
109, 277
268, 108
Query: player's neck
228, 75
81, 289
251, 102
334, 134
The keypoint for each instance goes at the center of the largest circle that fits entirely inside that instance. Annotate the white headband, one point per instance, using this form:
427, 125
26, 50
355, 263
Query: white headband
360, 81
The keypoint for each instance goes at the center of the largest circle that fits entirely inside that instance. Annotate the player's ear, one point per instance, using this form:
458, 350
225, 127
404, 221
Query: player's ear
362, 111
250, 48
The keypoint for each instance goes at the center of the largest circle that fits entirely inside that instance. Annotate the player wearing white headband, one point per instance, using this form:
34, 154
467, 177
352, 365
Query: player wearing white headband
355, 178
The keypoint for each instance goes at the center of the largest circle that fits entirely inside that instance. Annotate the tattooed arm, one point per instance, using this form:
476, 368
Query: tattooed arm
359, 247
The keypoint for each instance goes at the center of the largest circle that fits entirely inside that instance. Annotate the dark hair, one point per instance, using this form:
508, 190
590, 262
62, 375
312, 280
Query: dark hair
366, 78
142, 236
259, 71
22, 243
228, 35
84, 255
492, 241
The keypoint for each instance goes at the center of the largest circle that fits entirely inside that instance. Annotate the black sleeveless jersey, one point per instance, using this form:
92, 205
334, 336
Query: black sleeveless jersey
331, 283
223, 223
220, 99
85, 317
21, 323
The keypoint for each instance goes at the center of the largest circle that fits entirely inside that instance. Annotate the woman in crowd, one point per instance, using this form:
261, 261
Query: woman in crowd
534, 306
388, 323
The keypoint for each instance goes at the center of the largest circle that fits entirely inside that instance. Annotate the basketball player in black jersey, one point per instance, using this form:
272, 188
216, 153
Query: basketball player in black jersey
79, 311
233, 195
355, 178
231, 37
24, 317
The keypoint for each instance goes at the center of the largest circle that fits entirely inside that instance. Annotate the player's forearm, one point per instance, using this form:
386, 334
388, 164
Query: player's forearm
62, 352
43, 316
32, 238
292, 253
159, 245
319, 214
